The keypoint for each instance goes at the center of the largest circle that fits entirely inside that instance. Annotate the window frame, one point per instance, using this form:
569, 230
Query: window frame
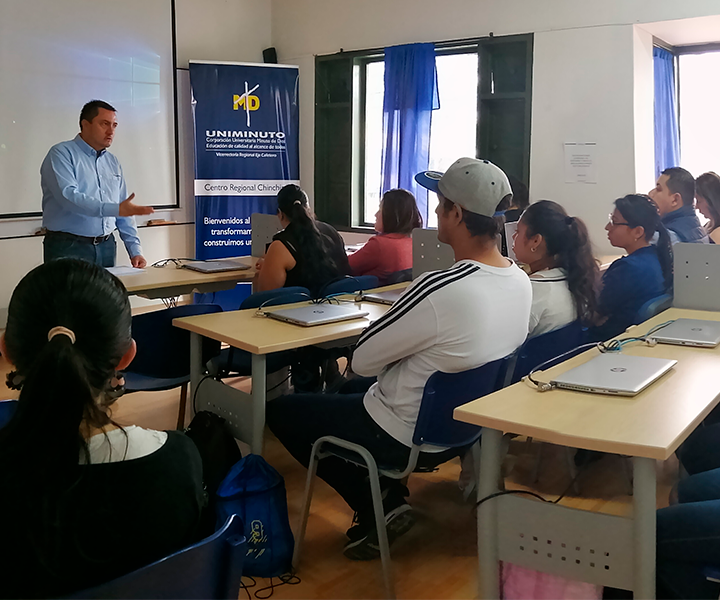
354, 188
677, 52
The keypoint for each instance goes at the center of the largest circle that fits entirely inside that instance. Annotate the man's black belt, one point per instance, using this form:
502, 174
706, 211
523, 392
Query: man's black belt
99, 239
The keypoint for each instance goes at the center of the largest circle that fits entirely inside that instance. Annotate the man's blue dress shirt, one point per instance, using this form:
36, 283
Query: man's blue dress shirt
82, 190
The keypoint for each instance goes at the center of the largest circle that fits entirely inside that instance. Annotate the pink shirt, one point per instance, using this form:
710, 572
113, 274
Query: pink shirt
382, 255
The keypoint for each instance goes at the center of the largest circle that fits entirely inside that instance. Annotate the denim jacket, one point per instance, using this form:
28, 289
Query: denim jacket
684, 226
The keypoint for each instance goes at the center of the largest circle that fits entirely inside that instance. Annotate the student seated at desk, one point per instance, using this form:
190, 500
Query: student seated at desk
451, 321
307, 252
707, 193
645, 273
563, 272
391, 250
674, 195
82, 500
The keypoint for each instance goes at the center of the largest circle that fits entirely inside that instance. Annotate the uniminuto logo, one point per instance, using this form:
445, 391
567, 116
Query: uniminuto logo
247, 101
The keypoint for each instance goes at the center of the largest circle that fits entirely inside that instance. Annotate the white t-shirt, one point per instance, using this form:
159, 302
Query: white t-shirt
552, 303
450, 321
123, 444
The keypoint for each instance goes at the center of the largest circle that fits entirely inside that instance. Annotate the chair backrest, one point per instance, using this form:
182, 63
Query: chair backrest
7, 410
349, 285
429, 253
263, 228
163, 351
444, 392
211, 568
653, 307
287, 295
537, 350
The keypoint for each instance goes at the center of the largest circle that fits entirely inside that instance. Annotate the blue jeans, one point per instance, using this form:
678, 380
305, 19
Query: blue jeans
57, 246
701, 450
298, 420
688, 539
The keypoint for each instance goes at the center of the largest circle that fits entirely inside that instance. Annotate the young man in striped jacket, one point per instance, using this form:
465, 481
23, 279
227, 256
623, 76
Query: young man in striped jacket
451, 321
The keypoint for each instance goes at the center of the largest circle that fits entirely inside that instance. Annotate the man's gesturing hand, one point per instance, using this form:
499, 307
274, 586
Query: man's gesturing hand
128, 209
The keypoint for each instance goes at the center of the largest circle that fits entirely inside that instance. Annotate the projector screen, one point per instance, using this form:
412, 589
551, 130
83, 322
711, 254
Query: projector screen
57, 55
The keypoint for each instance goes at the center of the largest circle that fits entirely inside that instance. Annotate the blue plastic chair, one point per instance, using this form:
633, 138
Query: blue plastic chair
537, 350
211, 568
435, 425
349, 285
162, 361
7, 410
233, 361
546, 346
653, 307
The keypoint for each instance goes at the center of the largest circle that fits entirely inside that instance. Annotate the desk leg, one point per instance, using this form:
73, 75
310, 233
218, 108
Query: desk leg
487, 533
196, 366
644, 500
258, 402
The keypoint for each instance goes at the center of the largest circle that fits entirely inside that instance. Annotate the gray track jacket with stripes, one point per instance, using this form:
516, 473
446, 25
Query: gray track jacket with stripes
450, 321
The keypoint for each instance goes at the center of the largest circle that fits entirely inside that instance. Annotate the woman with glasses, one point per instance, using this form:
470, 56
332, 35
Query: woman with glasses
645, 273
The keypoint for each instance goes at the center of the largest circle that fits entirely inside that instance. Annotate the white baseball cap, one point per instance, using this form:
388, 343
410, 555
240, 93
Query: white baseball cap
475, 184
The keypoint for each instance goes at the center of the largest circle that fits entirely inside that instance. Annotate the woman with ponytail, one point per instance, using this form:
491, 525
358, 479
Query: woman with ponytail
563, 272
83, 500
645, 273
306, 252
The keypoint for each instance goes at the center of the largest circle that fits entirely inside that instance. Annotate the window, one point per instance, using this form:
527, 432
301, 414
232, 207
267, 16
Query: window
485, 93
699, 120
453, 128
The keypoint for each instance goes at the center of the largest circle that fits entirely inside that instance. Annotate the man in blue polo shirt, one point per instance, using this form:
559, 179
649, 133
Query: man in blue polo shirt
85, 197
674, 195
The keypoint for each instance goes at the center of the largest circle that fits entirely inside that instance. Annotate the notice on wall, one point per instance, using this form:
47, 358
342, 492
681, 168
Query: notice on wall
580, 164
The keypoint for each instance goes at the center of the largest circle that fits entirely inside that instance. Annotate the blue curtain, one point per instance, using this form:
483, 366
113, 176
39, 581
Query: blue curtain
411, 94
667, 133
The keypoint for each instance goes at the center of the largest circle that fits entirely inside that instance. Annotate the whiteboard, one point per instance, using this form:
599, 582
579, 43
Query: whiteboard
56, 55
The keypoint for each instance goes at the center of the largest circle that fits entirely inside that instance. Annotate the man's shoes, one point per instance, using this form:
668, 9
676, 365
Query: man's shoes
363, 544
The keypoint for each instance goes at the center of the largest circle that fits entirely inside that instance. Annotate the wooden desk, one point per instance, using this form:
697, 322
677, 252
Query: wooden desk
170, 281
647, 427
260, 336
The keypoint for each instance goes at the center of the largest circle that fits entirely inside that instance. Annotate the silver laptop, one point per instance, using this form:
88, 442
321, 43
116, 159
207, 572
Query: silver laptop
388, 297
690, 332
215, 266
317, 314
614, 373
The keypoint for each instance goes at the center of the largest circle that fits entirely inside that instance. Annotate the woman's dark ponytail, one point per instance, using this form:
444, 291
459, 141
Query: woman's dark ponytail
318, 263
568, 242
640, 211
63, 384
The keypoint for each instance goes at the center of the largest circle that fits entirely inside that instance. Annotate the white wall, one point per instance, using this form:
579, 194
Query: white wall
234, 30
592, 78
573, 102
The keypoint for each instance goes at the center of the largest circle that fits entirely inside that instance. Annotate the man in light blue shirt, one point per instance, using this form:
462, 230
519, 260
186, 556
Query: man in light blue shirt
85, 197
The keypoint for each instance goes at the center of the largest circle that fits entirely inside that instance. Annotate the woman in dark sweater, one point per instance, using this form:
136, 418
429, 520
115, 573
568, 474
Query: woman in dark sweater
645, 273
83, 500
306, 252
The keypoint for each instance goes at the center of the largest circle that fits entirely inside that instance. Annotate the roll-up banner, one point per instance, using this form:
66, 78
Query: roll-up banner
246, 149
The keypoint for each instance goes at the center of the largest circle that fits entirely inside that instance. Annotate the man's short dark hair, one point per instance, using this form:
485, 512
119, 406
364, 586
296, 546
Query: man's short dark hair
91, 110
681, 182
477, 225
